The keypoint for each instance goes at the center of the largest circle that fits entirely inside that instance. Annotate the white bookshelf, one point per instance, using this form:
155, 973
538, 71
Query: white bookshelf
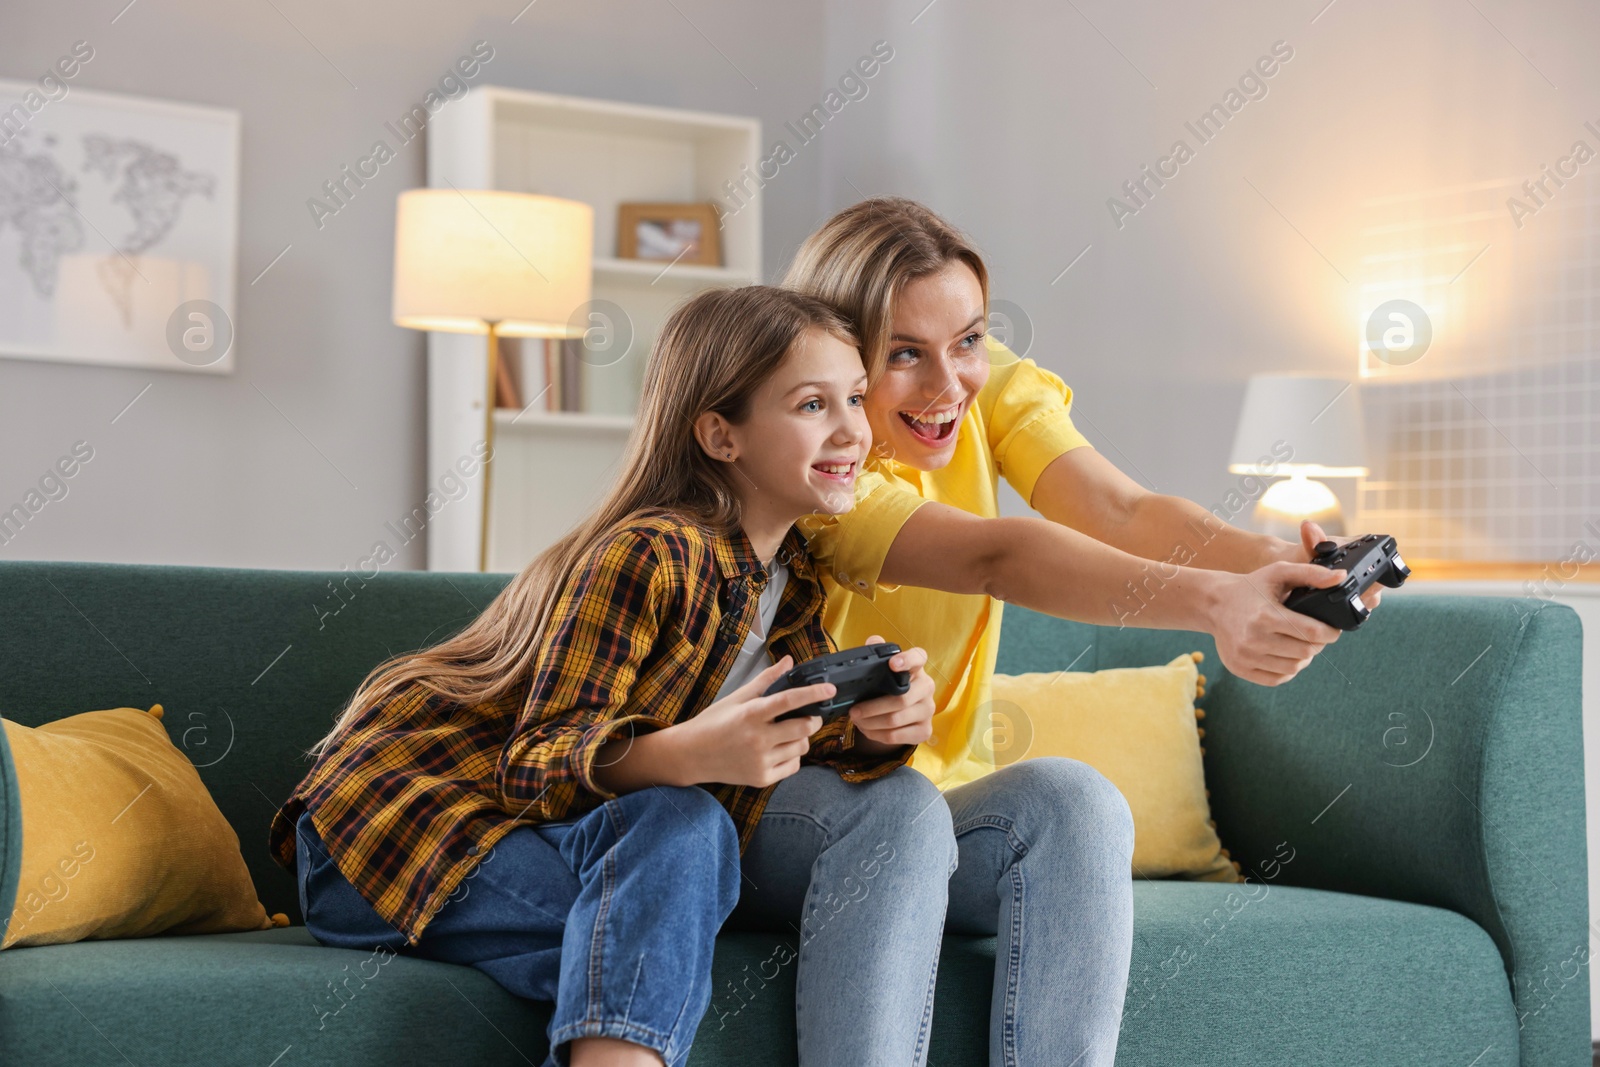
551, 467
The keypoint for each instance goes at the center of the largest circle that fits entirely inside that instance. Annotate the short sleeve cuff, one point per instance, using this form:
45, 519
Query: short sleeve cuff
867, 536
1035, 446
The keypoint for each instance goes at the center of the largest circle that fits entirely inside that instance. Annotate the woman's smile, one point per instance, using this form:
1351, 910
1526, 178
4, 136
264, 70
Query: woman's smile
935, 426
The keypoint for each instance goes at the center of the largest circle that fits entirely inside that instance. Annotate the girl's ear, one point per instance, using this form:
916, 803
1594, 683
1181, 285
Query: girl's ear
715, 435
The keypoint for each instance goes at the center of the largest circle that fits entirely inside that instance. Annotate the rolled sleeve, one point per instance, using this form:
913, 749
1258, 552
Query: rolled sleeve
596, 737
600, 632
851, 548
1028, 415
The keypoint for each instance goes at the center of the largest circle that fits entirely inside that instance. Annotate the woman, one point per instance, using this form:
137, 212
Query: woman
1044, 845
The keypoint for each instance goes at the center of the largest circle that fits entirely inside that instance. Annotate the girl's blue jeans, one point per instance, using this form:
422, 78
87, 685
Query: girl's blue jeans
611, 915
869, 875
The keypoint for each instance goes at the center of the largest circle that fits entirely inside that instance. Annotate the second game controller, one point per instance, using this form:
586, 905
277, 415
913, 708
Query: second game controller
1374, 558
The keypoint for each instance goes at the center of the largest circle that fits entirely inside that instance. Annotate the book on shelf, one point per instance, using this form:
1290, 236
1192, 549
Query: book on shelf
508, 372
539, 374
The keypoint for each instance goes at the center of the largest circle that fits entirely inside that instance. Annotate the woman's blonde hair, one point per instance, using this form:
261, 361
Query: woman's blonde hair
861, 259
712, 354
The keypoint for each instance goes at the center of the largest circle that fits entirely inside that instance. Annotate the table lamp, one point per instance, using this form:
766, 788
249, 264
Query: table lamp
1306, 428
495, 263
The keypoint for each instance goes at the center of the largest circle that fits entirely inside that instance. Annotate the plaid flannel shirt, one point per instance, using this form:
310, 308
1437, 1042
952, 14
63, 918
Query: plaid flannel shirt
416, 788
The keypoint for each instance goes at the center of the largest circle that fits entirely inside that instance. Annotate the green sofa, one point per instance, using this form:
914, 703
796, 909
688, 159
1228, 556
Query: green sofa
1412, 808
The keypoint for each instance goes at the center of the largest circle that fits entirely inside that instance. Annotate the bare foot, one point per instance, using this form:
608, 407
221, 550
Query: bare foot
612, 1052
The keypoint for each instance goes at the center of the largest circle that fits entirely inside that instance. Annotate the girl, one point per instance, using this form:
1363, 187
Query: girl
1045, 845
594, 751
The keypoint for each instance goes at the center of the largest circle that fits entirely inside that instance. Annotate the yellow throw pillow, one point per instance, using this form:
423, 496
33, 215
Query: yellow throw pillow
120, 837
1137, 726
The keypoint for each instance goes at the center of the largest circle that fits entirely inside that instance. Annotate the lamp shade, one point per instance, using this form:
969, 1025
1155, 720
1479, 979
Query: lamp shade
1300, 425
463, 259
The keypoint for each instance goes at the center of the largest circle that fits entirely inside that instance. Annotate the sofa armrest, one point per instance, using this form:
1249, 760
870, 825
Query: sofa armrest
1434, 756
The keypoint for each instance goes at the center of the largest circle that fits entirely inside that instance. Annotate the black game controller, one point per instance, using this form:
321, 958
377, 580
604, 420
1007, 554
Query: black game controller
856, 673
1369, 559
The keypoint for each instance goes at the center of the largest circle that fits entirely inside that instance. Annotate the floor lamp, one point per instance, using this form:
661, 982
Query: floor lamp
496, 263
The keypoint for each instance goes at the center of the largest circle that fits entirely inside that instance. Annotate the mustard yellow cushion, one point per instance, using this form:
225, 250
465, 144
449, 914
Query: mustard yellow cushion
120, 837
1137, 726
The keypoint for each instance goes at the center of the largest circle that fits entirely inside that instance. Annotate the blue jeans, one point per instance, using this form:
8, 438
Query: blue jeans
1041, 855
611, 915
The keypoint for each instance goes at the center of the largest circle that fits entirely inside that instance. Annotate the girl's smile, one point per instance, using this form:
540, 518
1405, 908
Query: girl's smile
842, 471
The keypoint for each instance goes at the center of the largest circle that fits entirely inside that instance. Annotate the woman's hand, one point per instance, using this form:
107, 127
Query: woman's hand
736, 741
905, 719
1311, 534
1260, 640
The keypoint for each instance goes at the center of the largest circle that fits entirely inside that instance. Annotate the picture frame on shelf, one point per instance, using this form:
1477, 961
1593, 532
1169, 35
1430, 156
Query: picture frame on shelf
669, 233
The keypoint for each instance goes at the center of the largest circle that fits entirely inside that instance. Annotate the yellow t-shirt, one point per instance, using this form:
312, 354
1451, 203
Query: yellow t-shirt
1019, 424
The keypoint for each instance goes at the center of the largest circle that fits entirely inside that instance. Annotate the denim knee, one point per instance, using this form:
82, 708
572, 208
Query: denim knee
685, 812
910, 813
687, 825
1058, 788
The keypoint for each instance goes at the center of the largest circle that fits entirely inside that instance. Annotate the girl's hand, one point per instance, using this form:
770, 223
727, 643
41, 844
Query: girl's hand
735, 740
1260, 640
906, 719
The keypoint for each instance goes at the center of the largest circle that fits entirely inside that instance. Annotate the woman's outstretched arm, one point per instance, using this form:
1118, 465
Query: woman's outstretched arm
1055, 569
1084, 490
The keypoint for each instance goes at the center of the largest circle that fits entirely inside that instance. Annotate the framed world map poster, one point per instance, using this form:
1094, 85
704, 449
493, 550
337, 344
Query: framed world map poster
119, 221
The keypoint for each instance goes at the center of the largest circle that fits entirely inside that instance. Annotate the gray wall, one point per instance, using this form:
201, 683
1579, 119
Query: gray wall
204, 469
1017, 121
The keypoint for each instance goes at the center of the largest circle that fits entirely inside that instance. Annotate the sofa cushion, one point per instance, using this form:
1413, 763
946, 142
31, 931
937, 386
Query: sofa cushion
1291, 976
120, 837
245, 999
1310, 976
254, 998
1137, 726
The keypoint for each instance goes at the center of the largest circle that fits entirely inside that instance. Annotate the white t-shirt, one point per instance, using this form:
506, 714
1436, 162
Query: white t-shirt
753, 655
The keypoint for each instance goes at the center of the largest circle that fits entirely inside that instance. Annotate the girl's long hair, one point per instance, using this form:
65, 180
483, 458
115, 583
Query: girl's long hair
862, 257
711, 355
